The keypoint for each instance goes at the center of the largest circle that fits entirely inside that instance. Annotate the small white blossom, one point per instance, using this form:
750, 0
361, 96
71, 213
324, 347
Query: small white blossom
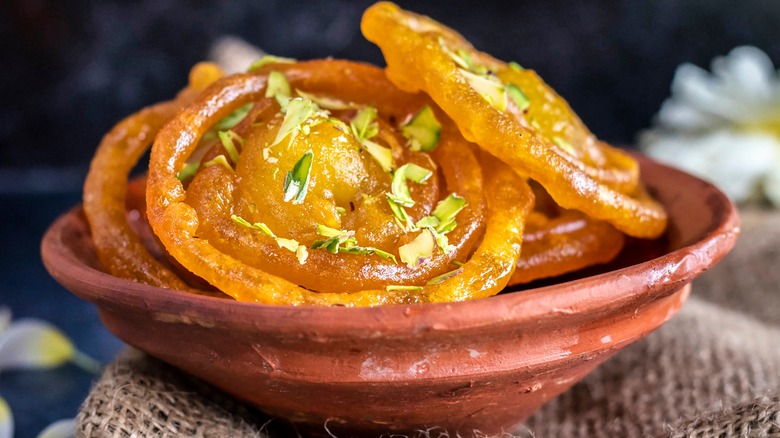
724, 126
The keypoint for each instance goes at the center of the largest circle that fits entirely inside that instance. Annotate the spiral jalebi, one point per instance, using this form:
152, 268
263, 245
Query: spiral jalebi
325, 183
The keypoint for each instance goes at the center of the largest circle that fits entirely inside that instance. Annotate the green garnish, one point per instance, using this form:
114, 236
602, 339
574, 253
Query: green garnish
518, 97
463, 59
269, 59
296, 182
298, 111
364, 127
364, 124
382, 155
515, 66
428, 221
344, 241
368, 250
444, 277
457, 263
219, 160
400, 191
565, 145
227, 138
278, 88
188, 171
341, 211
393, 287
340, 125
401, 218
302, 254
489, 87
288, 244
233, 119
419, 249
325, 102
446, 210
423, 130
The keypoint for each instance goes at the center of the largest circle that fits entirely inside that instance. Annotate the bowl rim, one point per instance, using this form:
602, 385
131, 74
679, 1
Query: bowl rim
608, 291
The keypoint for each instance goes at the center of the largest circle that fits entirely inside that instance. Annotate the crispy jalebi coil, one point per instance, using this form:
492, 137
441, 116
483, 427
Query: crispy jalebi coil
558, 241
511, 113
566, 243
308, 208
119, 249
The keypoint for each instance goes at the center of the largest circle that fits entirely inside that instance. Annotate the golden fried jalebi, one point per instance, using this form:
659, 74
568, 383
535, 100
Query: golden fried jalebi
119, 249
332, 182
250, 252
512, 114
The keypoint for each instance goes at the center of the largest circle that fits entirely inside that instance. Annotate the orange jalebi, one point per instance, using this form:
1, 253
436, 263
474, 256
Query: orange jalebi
512, 114
323, 183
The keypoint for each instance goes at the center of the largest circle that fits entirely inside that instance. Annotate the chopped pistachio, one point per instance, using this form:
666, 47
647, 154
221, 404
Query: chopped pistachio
298, 111
457, 263
302, 254
277, 86
368, 250
446, 210
515, 66
382, 155
401, 218
518, 97
219, 160
444, 277
428, 221
296, 182
489, 87
288, 244
269, 59
188, 171
341, 211
418, 250
400, 191
326, 102
233, 119
394, 287
423, 130
340, 125
565, 145
364, 124
227, 138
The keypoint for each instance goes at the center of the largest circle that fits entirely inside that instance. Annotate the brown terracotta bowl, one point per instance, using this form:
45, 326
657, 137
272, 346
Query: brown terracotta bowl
485, 364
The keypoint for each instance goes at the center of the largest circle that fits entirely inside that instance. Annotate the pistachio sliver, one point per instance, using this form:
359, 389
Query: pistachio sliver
518, 97
269, 59
382, 155
296, 182
298, 111
423, 130
489, 87
418, 250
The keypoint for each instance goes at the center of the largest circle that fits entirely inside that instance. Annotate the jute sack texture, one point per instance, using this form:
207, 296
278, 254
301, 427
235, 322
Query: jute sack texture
712, 371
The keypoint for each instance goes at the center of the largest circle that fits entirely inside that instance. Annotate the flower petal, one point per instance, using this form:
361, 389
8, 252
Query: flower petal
6, 420
5, 318
65, 428
32, 343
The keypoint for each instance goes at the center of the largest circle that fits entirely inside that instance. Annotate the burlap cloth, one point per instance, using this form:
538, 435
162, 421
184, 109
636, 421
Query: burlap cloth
714, 370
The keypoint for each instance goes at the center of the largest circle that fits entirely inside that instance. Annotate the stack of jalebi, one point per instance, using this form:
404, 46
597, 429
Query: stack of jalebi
328, 182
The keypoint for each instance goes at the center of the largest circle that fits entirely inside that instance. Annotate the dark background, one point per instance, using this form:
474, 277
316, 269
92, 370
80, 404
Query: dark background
69, 70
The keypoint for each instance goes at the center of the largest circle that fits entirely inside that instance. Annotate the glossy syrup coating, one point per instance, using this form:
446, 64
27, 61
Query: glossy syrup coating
545, 141
194, 224
119, 249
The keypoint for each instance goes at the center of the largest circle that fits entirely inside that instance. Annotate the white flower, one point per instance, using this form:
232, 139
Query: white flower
724, 126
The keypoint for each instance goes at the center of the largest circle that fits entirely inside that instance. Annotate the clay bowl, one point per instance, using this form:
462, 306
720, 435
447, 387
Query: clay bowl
485, 364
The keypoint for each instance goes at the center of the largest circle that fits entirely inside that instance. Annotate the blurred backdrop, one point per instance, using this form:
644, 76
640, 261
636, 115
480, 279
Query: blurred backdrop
71, 69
